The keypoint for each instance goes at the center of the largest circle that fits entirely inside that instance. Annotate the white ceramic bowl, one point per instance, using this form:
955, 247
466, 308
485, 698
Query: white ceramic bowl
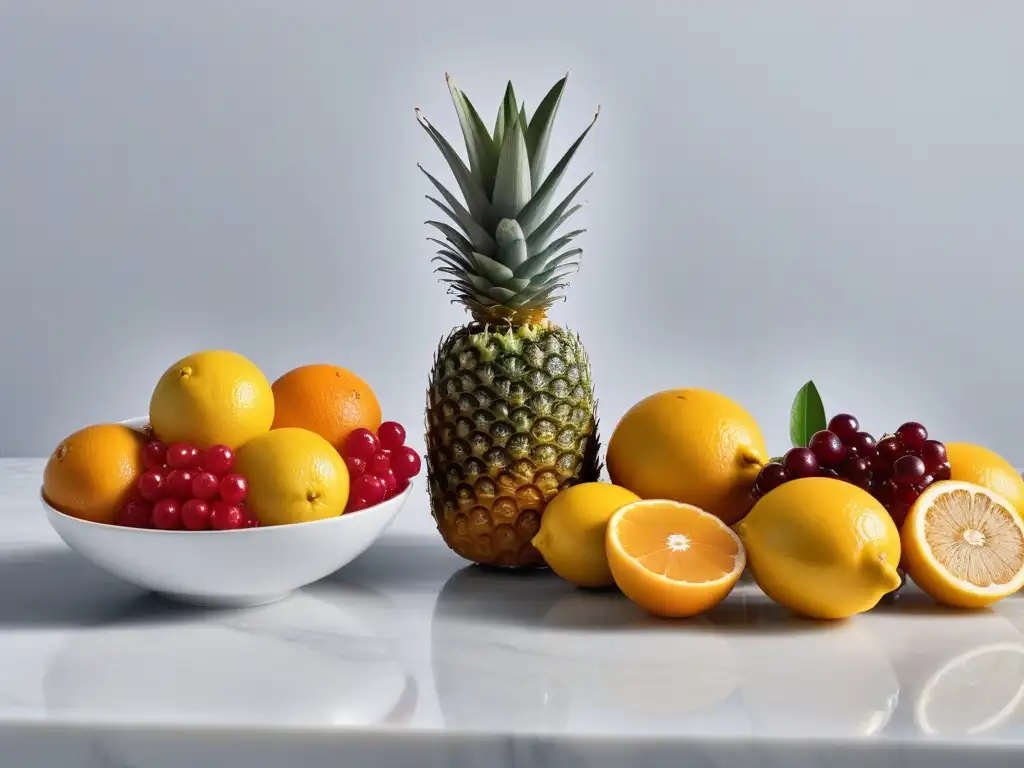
245, 567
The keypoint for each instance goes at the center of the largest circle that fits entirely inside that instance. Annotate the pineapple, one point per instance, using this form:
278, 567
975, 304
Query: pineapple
510, 405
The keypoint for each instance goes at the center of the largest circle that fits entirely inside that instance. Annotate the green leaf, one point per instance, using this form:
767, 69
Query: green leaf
454, 247
479, 236
511, 244
537, 239
522, 118
506, 109
512, 182
539, 132
497, 273
453, 236
476, 199
532, 212
807, 415
552, 248
534, 297
483, 154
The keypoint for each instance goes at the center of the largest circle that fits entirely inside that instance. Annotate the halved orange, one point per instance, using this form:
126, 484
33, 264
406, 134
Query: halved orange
672, 559
964, 544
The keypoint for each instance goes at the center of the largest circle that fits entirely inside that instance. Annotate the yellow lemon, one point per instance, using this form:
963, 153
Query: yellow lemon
692, 446
572, 532
209, 398
964, 544
823, 548
974, 464
295, 476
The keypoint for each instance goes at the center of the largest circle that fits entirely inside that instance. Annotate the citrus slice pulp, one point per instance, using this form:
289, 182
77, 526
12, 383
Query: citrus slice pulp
672, 559
964, 544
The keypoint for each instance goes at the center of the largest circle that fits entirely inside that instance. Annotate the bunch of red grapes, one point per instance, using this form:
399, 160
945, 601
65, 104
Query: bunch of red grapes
379, 465
895, 470
184, 488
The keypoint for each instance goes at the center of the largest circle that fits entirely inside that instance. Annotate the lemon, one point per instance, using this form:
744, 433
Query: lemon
209, 398
823, 548
572, 532
974, 464
295, 476
693, 446
963, 544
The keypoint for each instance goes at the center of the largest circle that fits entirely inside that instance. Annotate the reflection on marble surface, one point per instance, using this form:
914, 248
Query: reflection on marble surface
409, 656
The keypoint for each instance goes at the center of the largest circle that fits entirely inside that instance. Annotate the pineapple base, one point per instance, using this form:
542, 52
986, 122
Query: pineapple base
510, 423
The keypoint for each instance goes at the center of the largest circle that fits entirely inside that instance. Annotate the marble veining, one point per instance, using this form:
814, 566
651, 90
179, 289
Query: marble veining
409, 657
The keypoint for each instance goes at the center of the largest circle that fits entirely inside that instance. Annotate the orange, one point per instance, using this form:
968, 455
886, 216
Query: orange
963, 544
295, 476
92, 473
673, 559
325, 399
693, 446
209, 398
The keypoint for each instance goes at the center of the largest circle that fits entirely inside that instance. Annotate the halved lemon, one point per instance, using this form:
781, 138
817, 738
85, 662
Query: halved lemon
964, 544
672, 559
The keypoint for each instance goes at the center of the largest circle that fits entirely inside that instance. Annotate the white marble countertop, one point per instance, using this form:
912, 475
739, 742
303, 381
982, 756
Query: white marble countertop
409, 658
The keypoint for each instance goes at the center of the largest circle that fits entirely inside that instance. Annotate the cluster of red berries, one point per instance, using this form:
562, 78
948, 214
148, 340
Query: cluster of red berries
379, 465
185, 488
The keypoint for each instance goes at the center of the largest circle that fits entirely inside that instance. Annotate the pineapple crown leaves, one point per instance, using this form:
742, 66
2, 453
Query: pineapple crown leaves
500, 255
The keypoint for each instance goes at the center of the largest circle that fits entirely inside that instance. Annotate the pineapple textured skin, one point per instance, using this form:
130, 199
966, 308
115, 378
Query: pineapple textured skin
510, 423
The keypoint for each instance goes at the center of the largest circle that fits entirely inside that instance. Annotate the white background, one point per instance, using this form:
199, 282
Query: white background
783, 191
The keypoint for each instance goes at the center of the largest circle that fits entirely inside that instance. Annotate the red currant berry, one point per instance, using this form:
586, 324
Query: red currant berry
379, 462
912, 435
182, 456
865, 444
356, 467
249, 517
800, 462
154, 455
933, 453
167, 514
369, 488
391, 435
390, 481
195, 515
152, 485
771, 477
135, 514
233, 489
845, 426
402, 485
908, 470
406, 462
218, 459
226, 516
205, 486
827, 448
179, 484
360, 444
355, 504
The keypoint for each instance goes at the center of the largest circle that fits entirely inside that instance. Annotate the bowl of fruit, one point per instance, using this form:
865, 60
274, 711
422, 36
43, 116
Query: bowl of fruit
188, 531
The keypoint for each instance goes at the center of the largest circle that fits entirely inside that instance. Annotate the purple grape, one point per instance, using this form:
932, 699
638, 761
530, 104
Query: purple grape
800, 462
912, 435
845, 426
827, 448
771, 477
934, 454
908, 470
